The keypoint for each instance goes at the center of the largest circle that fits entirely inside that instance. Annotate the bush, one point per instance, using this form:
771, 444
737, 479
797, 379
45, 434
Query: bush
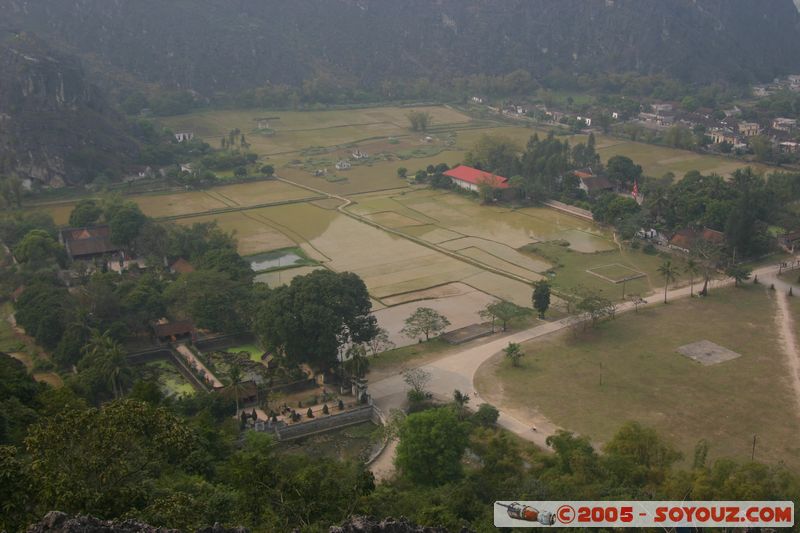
310, 413
649, 249
341, 405
635, 245
325, 409
486, 415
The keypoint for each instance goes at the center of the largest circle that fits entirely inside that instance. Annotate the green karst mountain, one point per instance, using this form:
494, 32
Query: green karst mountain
55, 125
216, 45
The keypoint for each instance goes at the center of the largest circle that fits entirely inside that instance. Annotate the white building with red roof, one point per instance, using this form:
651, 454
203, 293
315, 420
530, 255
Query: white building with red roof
471, 178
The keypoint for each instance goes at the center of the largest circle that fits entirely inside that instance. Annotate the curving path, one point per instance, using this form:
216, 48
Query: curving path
457, 371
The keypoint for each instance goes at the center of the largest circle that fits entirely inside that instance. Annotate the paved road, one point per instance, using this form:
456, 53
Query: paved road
457, 371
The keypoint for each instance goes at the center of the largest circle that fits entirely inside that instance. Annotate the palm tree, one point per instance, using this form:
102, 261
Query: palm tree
692, 268
669, 272
103, 348
235, 375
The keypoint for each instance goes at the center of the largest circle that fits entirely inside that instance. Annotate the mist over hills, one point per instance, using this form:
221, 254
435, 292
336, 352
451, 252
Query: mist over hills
231, 45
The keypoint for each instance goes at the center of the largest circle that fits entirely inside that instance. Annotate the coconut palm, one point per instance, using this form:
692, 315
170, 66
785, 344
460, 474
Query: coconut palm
692, 268
110, 355
669, 272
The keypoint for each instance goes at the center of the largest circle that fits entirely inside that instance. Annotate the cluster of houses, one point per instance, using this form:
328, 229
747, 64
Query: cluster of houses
345, 164
791, 83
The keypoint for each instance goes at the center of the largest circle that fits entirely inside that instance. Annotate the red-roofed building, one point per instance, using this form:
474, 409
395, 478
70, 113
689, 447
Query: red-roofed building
685, 239
470, 178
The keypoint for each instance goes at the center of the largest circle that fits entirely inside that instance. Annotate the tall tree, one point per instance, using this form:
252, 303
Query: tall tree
425, 321
669, 272
692, 268
541, 297
514, 352
431, 446
315, 315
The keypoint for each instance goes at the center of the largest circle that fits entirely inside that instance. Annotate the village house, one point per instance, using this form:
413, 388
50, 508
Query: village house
592, 184
585, 120
748, 129
166, 331
784, 124
653, 119
789, 147
724, 135
789, 241
476, 100
187, 167
686, 239
794, 82
358, 154
471, 178
182, 136
343, 165
88, 242
181, 266
662, 109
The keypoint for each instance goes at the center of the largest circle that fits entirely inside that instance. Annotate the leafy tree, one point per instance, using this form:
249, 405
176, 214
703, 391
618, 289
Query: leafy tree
419, 120
636, 456
227, 261
622, 171
103, 461
402, 172
268, 170
380, 342
669, 272
85, 213
514, 352
486, 415
315, 315
11, 190
125, 221
739, 273
503, 311
424, 321
417, 379
431, 446
41, 310
541, 297
38, 248
596, 308
461, 401
211, 299
494, 153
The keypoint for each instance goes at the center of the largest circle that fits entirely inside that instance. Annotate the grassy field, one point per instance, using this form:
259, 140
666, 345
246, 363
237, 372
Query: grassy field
645, 379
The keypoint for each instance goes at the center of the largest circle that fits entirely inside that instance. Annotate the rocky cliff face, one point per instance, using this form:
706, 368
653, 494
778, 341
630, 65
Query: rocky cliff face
55, 126
219, 45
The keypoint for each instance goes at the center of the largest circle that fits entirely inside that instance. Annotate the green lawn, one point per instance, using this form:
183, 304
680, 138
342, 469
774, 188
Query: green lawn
571, 276
629, 370
393, 361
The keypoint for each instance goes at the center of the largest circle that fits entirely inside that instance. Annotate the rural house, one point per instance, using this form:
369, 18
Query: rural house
685, 240
784, 124
88, 242
592, 184
471, 178
184, 136
166, 331
343, 165
749, 129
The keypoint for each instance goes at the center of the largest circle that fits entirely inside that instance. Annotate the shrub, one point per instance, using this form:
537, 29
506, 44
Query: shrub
341, 405
635, 245
486, 415
325, 409
309, 413
649, 249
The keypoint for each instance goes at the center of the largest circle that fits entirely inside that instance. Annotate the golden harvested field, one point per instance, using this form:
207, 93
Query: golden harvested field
253, 234
182, 203
260, 192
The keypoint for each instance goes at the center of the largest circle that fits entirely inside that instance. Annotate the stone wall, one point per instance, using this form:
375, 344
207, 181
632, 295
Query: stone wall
323, 423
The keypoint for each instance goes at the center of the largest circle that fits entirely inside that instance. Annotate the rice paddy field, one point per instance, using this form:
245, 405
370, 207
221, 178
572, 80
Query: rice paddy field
405, 241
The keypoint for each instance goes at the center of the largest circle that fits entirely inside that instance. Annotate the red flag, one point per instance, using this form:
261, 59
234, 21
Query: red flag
635, 192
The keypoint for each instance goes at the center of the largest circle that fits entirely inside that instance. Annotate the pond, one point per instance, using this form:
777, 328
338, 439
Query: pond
275, 259
169, 379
